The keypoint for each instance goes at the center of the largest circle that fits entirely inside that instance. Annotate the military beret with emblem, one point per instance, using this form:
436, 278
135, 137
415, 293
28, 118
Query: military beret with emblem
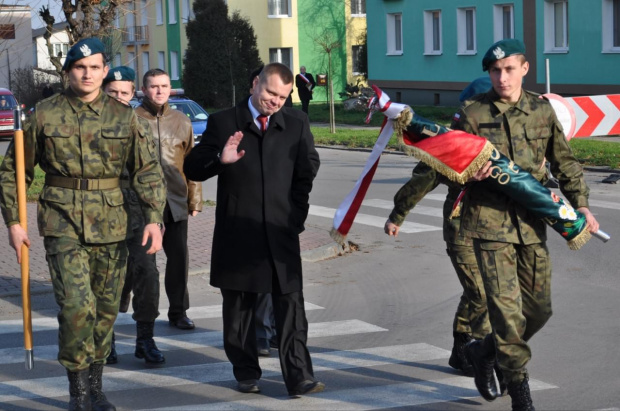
502, 49
121, 73
83, 48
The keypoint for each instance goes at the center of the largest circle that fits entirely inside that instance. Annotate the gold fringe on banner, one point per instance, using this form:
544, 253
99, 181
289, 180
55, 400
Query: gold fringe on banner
579, 241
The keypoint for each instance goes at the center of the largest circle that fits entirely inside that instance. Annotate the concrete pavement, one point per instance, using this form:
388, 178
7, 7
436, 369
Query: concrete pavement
316, 245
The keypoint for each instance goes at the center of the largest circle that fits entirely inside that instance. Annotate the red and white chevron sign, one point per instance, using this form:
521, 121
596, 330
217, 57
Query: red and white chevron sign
596, 115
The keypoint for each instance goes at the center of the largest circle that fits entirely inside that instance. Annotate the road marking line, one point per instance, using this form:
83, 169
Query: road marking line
418, 209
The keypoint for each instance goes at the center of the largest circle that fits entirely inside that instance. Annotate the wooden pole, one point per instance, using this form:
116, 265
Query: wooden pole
20, 175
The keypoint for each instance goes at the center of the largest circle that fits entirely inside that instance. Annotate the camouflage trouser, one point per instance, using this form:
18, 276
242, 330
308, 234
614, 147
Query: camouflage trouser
517, 281
471, 315
142, 278
87, 280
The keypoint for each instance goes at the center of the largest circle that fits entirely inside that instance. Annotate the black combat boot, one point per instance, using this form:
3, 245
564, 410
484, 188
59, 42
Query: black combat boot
520, 394
503, 388
145, 345
112, 357
481, 355
97, 397
458, 360
79, 391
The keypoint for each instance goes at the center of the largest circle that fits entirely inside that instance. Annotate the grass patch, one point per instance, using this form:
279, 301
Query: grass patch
596, 153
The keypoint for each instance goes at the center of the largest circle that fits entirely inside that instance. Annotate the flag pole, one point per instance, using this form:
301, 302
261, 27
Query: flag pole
20, 174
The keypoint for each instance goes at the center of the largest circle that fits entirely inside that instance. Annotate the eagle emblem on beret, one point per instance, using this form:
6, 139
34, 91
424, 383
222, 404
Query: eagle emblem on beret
118, 76
86, 51
499, 53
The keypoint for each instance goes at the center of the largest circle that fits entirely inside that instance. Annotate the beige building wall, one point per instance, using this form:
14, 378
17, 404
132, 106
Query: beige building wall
355, 28
15, 42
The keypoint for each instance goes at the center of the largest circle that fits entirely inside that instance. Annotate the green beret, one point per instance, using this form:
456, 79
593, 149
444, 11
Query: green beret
121, 73
502, 49
81, 49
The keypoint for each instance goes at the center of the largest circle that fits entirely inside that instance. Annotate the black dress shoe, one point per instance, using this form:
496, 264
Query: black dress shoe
482, 361
264, 352
182, 323
307, 387
248, 386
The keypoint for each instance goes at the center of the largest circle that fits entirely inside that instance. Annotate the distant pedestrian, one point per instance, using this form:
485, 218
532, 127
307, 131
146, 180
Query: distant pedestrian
305, 86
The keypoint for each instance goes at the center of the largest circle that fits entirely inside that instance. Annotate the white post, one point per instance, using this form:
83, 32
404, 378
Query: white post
548, 75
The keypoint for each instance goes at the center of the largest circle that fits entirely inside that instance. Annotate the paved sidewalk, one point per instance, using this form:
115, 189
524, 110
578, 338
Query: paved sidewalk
316, 245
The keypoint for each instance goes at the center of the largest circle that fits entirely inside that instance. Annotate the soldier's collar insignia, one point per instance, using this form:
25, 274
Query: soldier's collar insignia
499, 53
118, 76
86, 51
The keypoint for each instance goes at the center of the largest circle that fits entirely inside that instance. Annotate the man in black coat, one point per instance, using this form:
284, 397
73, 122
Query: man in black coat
264, 182
305, 84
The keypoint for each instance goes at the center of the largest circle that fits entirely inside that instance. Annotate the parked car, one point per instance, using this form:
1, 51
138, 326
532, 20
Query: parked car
197, 115
7, 105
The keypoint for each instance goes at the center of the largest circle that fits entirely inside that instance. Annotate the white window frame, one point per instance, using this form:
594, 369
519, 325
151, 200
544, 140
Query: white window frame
159, 12
118, 60
498, 21
394, 34
188, 12
131, 60
278, 13
144, 13
146, 64
357, 5
161, 60
433, 46
465, 28
607, 27
60, 47
117, 18
172, 11
550, 26
279, 53
174, 65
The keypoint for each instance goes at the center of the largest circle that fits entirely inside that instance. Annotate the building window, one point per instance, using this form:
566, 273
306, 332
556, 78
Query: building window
161, 60
611, 26
503, 22
7, 31
188, 12
146, 65
355, 59
281, 55
432, 32
358, 7
172, 11
117, 19
279, 8
556, 26
117, 60
466, 30
174, 65
60, 50
159, 11
131, 60
395, 33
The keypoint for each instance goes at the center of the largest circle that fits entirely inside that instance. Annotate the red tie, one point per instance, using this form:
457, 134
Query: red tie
262, 119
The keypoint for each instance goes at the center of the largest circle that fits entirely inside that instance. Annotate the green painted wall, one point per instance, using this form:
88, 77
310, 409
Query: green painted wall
323, 18
173, 37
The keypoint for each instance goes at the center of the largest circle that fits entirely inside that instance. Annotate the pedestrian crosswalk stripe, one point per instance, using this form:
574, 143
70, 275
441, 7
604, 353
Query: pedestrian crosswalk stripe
389, 205
51, 323
193, 340
373, 221
365, 398
221, 371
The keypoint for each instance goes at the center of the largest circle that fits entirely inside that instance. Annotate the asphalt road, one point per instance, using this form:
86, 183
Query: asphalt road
380, 322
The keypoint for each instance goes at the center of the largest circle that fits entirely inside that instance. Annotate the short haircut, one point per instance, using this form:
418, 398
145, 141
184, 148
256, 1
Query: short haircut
153, 73
255, 74
285, 74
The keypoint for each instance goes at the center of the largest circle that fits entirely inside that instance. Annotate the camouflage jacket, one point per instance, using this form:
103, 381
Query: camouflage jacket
526, 133
173, 135
95, 140
424, 180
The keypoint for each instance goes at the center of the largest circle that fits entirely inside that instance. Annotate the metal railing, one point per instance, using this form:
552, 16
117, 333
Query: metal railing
135, 34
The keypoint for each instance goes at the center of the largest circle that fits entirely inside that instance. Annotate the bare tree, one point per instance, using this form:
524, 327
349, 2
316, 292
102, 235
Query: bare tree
326, 42
85, 18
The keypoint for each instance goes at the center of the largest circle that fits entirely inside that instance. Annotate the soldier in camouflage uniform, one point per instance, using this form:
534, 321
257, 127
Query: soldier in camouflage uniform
82, 139
510, 242
142, 274
471, 318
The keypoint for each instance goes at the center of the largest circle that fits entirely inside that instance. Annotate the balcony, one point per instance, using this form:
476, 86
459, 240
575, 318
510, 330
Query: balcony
135, 35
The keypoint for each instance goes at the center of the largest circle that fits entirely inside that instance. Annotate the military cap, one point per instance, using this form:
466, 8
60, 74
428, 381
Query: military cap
83, 48
121, 73
502, 49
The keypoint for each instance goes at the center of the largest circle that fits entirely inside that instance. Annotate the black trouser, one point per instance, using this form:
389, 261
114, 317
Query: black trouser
291, 331
177, 266
142, 278
304, 105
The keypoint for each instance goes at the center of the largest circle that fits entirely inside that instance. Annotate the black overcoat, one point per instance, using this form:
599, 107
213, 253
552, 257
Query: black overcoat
262, 199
